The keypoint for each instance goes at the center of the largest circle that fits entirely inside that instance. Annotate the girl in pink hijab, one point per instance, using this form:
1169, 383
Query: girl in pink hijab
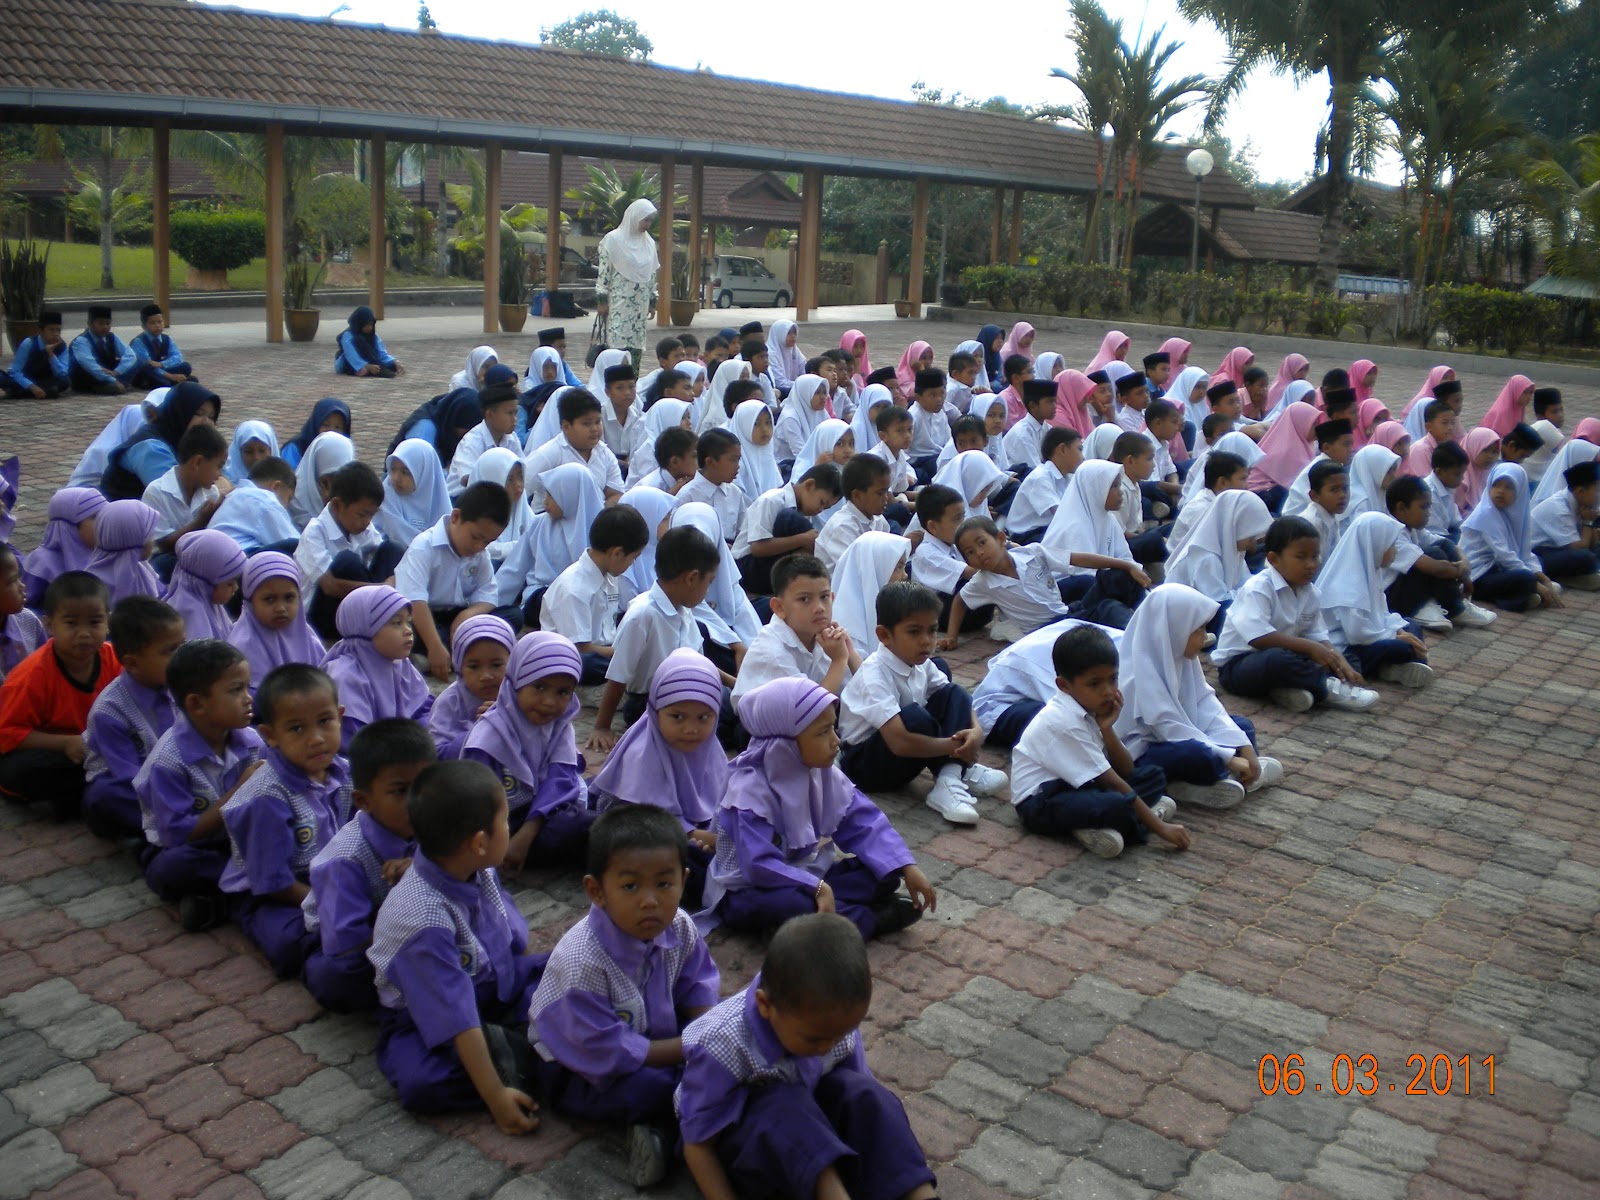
1364, 378
1424, 395
1234, 364
1483, 455
1073, 389
1370, 413
1020, 341
1392, 435
911, 362
1177, 352
854, 343
1285, 451
1509, 407
1294, 366
1114, 345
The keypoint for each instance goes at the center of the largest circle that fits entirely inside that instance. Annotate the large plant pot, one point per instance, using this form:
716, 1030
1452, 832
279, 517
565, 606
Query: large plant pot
683, 312
902, 308
513, 317
302, 323
19, 331
197, 280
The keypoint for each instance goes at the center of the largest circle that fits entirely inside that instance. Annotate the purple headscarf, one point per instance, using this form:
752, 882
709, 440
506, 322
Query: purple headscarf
455, 708
526, 751
205, 559
120, 533
804, 804
10, 481
269, 648
62, 549
643, 762
371, 686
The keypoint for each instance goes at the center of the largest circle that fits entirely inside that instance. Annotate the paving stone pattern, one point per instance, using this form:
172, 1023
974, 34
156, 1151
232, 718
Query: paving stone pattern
1424, 883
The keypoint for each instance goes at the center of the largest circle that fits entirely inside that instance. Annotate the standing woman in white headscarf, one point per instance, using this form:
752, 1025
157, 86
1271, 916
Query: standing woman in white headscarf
629, 265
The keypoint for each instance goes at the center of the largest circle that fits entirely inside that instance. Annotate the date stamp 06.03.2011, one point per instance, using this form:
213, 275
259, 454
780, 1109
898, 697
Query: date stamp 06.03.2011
1363, 1075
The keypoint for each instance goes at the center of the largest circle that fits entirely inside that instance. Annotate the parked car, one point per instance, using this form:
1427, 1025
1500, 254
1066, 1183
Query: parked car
737, 279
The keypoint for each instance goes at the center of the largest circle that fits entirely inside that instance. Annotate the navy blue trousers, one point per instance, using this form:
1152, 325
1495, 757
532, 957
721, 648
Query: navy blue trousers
1057, 808
873, 767
1510, 590
1262, 671
1192, 761
348, 565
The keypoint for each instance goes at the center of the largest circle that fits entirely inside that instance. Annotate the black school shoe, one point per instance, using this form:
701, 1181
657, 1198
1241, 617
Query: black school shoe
511, 1055
899, 913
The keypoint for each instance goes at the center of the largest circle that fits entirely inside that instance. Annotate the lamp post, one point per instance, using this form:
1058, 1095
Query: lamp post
1199, 164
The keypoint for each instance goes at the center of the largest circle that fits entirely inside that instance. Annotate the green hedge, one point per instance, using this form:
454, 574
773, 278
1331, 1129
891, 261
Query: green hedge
219, 241
1492, 317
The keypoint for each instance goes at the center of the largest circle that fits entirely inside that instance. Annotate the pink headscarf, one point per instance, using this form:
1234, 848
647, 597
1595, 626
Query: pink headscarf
1508, 407
1589, 430
1020, 332
1359, 370
1288, 372
1234, 364
1370, 413
1073, 389
1476, 478
905, 372
847, 343
1286, 449
1389, 435
1425, 392
1113, 346
1177, 352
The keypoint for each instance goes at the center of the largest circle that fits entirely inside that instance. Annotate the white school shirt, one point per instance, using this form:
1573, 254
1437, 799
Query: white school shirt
1164, 464
1063, 742
758, 518
1022, 443
1267, 604
1444, 515
583, 605
321, 542
727, 500
619, 435
1031, 599
930, 432
652, 628
433, 572
1129, 419
661, 479
1188, 520
1555, 522
777, 653
880, 689
1552, 439
1024, 671
957, 396
902, 476
844, 527
1131, 514
601, 462
937, 565
1326, 525
1037, 498
470, 449
165, 495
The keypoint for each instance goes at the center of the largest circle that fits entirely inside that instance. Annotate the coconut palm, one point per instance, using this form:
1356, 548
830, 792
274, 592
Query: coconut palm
1096, 38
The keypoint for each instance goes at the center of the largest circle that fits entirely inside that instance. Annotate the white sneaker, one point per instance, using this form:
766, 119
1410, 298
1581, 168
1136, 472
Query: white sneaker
1432, 616
1271, 774
1002, 630
1225, 793
1165, 808
1475, 616
1556, 587
1407, 675
984, 781
1292, 699
1534, 601
1102, 843
1585, 583
1349, 698
1208, 642
1160, 511
951, 800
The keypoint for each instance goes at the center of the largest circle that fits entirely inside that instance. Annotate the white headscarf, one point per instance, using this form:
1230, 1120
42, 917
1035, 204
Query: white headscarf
603, 362
1101, 440
663, 415
713, 409
1083, 524
326, 454
975, 348
495, 465
629, 248
996, 450
818, 446
655, 506
1210, 560
1352, 582
1298, 392
1182, 387
247, 432
476, 358
1233, 442
1508, 532
1554, 482
726, 605
1367, 469
402, 518
861, 423
758, 465
118, 430
971, 475
541, 357
1048, 365
785, 363
554, 545
798, 418
860, 574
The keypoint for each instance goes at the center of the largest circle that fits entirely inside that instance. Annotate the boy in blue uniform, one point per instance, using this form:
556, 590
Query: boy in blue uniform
158, 361
42, 368
101, 361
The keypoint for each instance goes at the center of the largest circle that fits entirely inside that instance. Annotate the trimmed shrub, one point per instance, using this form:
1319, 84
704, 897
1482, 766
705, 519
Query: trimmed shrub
219, 241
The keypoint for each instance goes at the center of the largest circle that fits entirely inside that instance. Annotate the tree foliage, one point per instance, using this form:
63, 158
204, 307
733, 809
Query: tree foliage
600, 31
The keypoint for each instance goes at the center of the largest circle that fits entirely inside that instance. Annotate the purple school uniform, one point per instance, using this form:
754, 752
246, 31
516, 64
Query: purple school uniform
20, 635
448, 955
779, 1120
372, 687
347, 886
276, 823
125, 724
604, 998
180, 781
455, 709
206, 558
269, 648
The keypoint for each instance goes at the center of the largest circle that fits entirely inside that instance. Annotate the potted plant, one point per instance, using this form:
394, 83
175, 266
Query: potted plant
213, 243
513, 283
301, 275
22, 275
684, 305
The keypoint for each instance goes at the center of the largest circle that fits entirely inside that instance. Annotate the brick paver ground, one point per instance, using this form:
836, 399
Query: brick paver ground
1423, 884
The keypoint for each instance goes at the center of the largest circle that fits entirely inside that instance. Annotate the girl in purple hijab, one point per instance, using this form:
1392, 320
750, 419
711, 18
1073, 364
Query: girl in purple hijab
204, 580
68, 539
526, 738
271, 629
124, 536
480, 649
788, 814
672, 759
371, 661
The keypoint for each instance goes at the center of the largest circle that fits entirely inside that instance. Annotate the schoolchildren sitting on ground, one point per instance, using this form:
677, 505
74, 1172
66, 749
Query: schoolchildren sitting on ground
1212, 560
450, 958
779, 522
579, 442
1483, 452
1041, 490
446, 574
1371, 555
936, 563
68, 541
361, 351
1564, 529
1221, 472
526, 738
186, 495
726, 615
1431, 592
795, 836
371, 663
21, 632
776, 1085
1335, 444
1443, 427
314, 476
1549, 423
894, 437
607, 1018
1285, 452
204, 580
498, 399
718, 453
930, 425
1071, 774
157, 360
328, 415
272, 629
1274, 641
870, 563
1016, 370
100, 362
1145, 536
619, 412
256, 513
1448, 464
151, 450
901, 713
42, 367
557, 537
191, 772
865, 484
479, 360
669, 353
1497, 539
504, 469
1085, 543
355, 871
129, 715
802, 639
543, 380
587, 600
286, 812
1329, 494
479, 653
1133, 397
124, 539
1163, 422
340, 552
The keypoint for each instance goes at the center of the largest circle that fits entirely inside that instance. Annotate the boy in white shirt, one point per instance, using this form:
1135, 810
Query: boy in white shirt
963, 369
778, 522
186, 495
930, 425
586, 601
1039, 494
446, 573
498, 427
1133, 397
1330, 496
580, 441
1016, 580
1431, 592
936, 563
1163, 421
1564, 531
1071, 774
865, 482
802, 638
1222, 472
718, 454
900, 713
620, 415
1550, 417
340, 551
1023, 441
676, 449
894, 436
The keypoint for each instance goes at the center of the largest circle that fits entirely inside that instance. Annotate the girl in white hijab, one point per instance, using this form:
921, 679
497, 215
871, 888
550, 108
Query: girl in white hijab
712, 412
821, 446
415, 495
1371, 472
479, 360
1100, 441
981, 407
973, 476
726, 610
603, 362
1048, 365
326, 454
663, 415
803, 410
758, 465
1085, 543
1299, 391
864, 421
1212, 560
1182, 393
548, 427
1372, 552
785, 362
868, 565
1234, 443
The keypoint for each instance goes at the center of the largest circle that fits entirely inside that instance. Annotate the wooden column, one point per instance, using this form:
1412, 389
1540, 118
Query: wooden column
275, 183
919, 246
378, 225
160, 211
811, 248
552, 237
697, 189
491, 237
880, 286
998, 222
800, 275
1015, 250
664, 242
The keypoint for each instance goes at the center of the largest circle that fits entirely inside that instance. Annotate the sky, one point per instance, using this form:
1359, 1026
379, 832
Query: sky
871, 48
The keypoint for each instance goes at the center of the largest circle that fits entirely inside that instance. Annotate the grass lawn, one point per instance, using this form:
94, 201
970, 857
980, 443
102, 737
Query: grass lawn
75, 271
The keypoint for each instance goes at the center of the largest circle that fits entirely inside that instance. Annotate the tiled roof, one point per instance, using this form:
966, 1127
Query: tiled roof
39, 178
71, 59
1382, 200
1241, 235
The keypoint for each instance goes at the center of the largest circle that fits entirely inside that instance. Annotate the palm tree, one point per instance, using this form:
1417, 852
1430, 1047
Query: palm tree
1569, 203
1096, 38
605, 195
